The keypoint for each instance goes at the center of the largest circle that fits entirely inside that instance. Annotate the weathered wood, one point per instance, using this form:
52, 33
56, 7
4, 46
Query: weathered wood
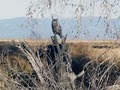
34, 61
64, 39
44, 75
62, 67
54, 40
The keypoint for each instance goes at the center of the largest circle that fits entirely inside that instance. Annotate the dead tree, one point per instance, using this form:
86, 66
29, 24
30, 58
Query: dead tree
44, 74
62, 67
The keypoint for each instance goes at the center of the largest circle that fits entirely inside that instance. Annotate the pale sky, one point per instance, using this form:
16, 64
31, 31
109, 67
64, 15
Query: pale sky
13, 8
17, 8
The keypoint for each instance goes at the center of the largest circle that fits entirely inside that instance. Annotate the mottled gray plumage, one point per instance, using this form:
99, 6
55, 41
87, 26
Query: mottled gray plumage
57, 30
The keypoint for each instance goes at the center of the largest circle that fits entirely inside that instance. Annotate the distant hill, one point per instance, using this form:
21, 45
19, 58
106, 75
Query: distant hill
92, 27
11, 28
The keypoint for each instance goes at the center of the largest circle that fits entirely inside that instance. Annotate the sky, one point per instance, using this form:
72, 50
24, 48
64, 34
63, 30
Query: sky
17, 8
13, 8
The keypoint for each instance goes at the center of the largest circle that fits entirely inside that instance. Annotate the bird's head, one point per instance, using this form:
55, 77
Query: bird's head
55, 21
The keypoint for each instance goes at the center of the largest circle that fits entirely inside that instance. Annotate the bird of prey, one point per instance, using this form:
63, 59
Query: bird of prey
56, 28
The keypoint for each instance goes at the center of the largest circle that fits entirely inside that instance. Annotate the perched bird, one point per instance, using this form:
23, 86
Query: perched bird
56, 28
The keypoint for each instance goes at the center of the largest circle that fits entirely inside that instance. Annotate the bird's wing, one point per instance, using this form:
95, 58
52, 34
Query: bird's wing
60, 28
53, 28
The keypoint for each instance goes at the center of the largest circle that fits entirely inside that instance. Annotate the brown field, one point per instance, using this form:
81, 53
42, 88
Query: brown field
78, 47
97, 50
94, 49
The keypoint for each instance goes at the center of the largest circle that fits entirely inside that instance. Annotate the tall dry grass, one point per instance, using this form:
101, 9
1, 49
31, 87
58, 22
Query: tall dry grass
20, 66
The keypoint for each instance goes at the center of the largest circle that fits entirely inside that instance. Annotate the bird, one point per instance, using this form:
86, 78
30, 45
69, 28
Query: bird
56, 27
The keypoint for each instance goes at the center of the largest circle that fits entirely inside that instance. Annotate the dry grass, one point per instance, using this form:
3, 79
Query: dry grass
18, 63
77, 48
86, 48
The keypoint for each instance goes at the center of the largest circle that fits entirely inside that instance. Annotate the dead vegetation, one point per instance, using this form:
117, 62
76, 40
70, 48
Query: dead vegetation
18, 71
